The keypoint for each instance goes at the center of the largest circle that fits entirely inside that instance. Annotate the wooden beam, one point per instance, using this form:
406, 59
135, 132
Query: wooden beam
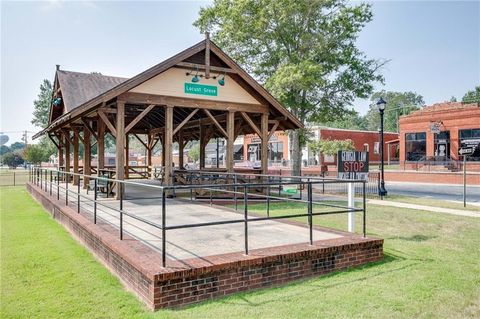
75, 156
78, 136
220, 128
53, 140
207, 56
239, 127
107, 122
86, 123
274, 128
142, 98
230, 140
87, 157
100, 144
139, 118
67, 151
141, 141
127, 156
195, 66
185, 121
251, 123
168, 144
181, 146
120, 148
202, 145
60, 150
264, 150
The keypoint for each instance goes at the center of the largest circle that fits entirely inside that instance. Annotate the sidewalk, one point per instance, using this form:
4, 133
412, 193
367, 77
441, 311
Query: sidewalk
424, 207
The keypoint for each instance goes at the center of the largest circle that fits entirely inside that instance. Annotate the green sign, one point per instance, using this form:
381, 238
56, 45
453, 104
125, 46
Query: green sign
200, 89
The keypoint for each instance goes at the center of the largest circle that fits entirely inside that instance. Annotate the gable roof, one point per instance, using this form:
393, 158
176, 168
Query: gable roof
78, 88
125, 85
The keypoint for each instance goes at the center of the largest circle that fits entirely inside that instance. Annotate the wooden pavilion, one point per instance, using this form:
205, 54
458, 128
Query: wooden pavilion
198, 94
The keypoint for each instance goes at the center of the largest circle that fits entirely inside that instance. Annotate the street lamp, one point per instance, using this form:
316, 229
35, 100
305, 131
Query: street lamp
381, 104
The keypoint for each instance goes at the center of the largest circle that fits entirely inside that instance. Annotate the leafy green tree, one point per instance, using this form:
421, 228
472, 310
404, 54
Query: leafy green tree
472, 96
194, 152
17, 146
4, 149
398, 104
41, 111
12, 160
350, 120
36, 154
303, 51
331, 147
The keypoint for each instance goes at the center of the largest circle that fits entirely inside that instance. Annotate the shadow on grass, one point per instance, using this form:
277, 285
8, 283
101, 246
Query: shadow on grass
314, 283
415, 238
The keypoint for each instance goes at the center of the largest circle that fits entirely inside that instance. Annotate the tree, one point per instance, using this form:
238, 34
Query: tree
17, 146
41, 112
398, 104
42, 105
12, 160
350, 120
472, 96
4, 149
36, 154
194, 152
331, 147
304, 53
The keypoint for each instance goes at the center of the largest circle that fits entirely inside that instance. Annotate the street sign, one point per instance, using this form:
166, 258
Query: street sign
471, 142
466, 151
352, 165
200, 89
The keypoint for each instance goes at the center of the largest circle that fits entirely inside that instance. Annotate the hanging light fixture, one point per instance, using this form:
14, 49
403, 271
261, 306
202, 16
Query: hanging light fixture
221, 81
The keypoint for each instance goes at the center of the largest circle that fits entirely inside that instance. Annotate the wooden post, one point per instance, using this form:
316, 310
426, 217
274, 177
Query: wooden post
149, 154
61, 143
202, 146
168, 140
75, 156
67, 154
100, 144
230, 140
181, 145
162, 137
120, 147
127, 157
264, 137
87, 157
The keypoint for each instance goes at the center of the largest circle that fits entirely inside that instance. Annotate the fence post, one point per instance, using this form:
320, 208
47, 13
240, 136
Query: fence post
245, 217
164, 254
235, 191
51, 180
58, 185
351, 204
66, 188
310, 209
14, 179
46, 179
78, 194
120, 185
268, 198
95, 202
364, 212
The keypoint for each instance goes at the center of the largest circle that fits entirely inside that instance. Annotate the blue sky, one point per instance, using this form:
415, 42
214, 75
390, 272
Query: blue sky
434, 46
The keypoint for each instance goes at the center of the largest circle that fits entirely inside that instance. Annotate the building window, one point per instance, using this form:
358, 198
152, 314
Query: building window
366, 147
415, 146
275, 152
442, 144
471, 138
376, 148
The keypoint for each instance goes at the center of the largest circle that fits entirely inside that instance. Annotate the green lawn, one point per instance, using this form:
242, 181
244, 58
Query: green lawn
431, 270
432, 202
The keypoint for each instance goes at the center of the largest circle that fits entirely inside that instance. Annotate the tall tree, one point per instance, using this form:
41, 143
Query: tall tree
350, 120
398, 104
303, 51
472, 96
41, 111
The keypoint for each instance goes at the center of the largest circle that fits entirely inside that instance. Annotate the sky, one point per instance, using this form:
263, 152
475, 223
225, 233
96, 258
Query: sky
433, 47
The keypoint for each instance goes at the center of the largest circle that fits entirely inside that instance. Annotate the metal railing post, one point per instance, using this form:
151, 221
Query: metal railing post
235, 191
46, 179
268, 198
364, 212
66, 188
14, 179
78, 194
245, 217
120, 185
95, 202
58, 185
164, 245
51, 180
310, 209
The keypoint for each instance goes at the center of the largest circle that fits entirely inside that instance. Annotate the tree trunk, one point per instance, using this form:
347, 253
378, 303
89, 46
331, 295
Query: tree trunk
296, 153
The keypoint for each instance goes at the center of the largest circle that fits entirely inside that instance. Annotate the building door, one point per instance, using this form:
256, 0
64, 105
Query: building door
442, 145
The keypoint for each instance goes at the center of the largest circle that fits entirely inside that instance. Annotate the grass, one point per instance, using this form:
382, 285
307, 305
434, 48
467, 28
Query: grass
431, 202
431, 270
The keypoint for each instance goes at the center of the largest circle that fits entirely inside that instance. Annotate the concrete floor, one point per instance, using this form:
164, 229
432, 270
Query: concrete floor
191, 242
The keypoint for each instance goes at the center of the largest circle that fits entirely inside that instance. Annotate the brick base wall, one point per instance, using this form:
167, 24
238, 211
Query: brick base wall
193, 280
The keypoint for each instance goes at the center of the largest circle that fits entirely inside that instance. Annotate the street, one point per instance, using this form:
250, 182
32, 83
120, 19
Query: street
439, 191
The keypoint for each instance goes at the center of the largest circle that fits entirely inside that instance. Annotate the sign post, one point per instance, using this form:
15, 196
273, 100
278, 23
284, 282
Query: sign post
352, 165
465, 151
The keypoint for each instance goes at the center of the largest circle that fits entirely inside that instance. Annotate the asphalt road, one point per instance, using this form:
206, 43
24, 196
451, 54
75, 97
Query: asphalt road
444, 192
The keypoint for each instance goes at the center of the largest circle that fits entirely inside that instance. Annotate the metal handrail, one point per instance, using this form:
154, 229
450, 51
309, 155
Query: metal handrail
41, 177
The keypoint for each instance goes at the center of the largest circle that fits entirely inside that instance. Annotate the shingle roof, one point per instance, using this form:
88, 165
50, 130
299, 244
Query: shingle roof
78, 88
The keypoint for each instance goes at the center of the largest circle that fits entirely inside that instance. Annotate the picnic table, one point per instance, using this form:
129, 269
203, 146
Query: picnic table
104, 183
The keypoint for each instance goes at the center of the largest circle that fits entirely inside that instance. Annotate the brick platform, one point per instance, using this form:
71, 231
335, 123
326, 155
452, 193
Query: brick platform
188, 281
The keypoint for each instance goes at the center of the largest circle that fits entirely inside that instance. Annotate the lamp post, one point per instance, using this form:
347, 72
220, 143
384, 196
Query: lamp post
381, 104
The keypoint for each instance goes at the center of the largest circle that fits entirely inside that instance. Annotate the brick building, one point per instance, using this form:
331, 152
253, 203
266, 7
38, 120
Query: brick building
435, 133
